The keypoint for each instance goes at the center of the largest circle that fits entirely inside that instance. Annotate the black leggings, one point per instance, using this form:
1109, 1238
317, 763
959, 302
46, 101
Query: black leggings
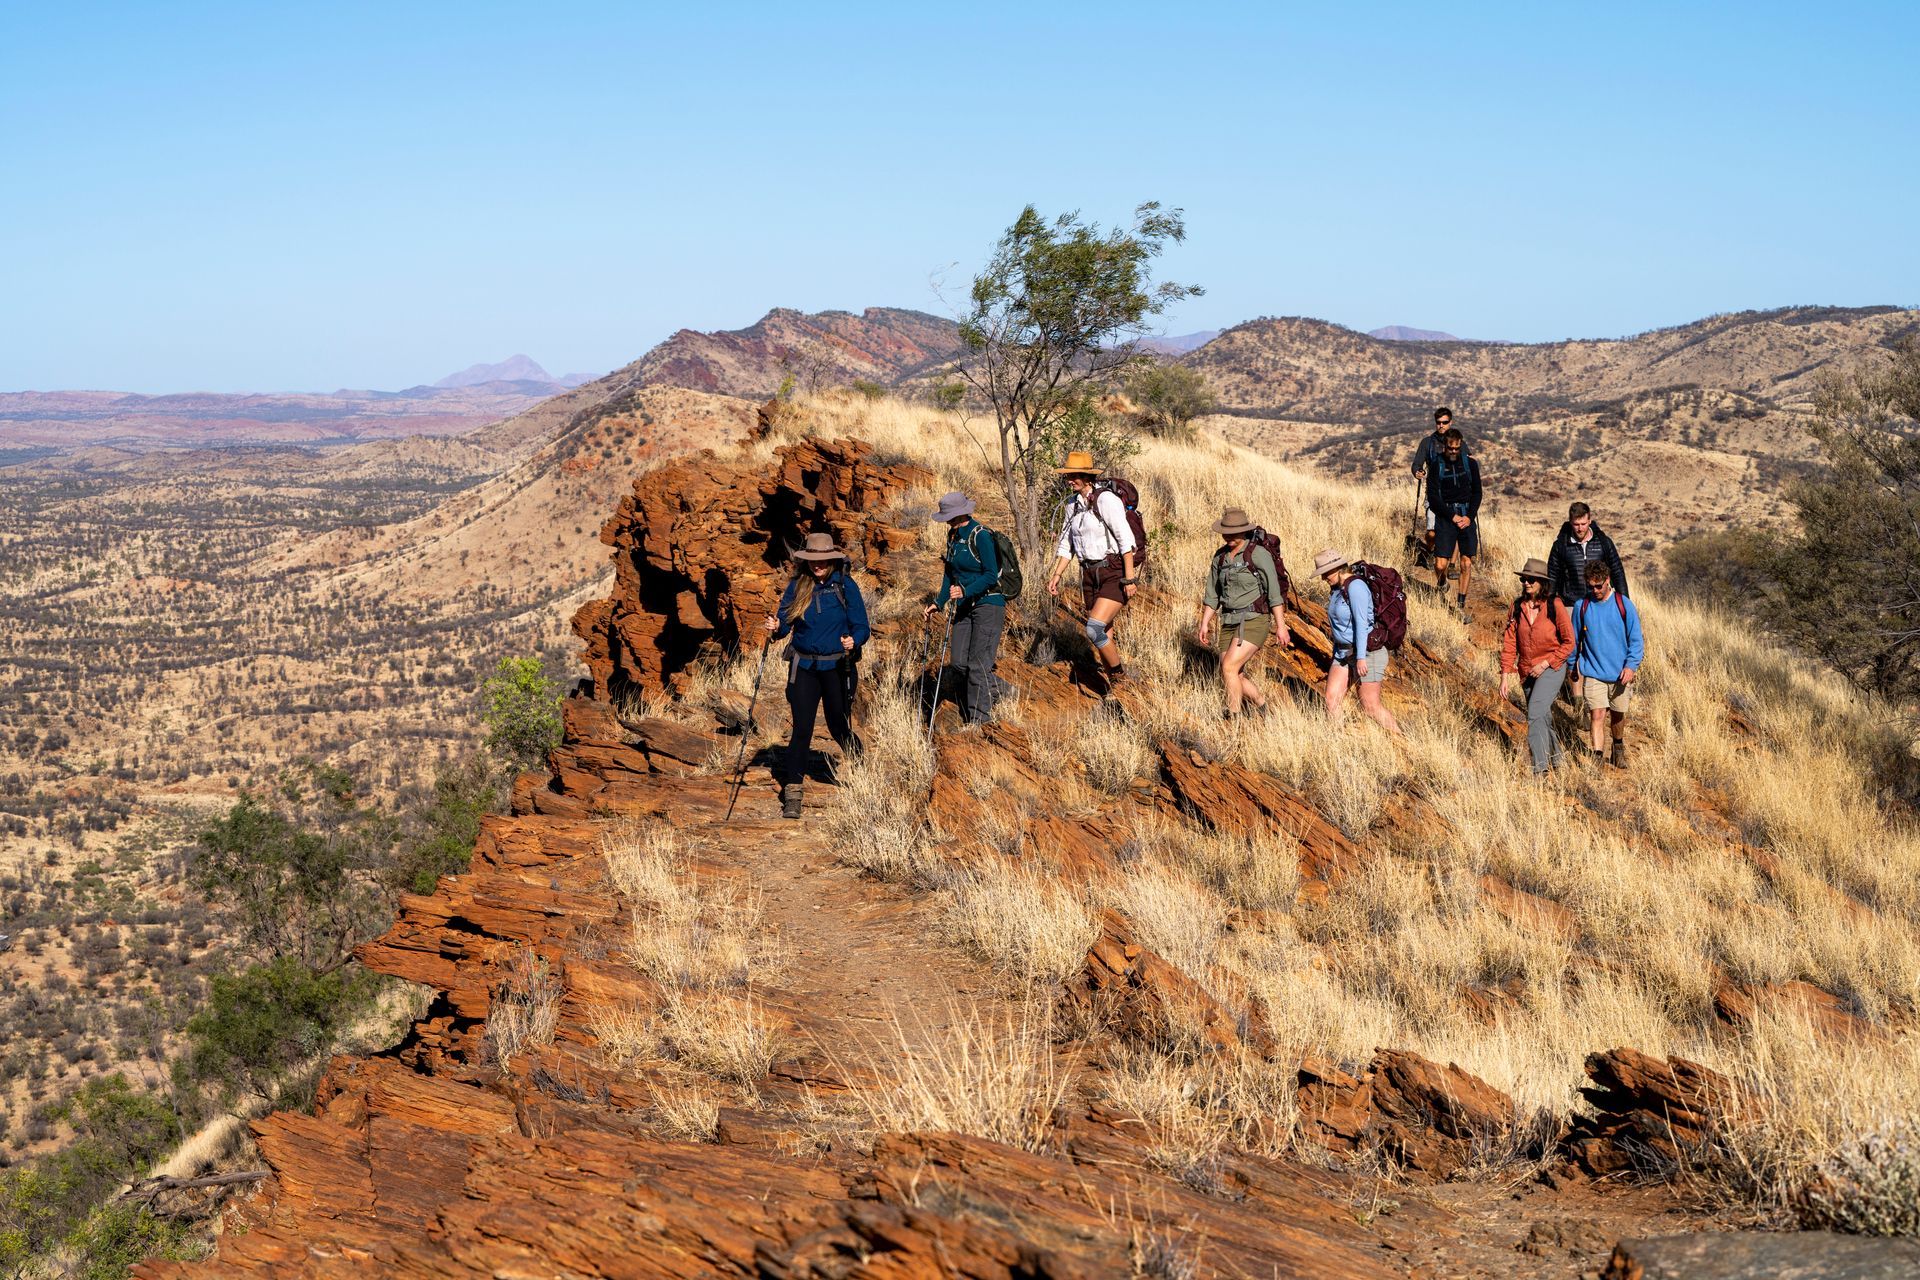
808, 692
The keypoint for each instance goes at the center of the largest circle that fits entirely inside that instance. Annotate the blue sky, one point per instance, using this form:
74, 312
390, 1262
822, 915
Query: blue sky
268, 197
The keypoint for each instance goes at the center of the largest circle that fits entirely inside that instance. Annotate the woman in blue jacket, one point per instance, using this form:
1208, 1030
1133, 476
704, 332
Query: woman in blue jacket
823, 610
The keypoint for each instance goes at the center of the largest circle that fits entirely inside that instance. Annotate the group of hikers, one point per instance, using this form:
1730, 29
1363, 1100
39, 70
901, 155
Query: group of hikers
1571, 629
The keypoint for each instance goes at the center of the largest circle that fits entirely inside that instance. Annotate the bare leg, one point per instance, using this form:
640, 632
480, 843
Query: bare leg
1106, 611
1440, 572
1239, 688
1371, 704
1600, 729
1466, 573
1337, 677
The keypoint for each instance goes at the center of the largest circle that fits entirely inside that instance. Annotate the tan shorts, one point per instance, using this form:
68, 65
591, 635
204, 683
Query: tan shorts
1255, 631
1601, 696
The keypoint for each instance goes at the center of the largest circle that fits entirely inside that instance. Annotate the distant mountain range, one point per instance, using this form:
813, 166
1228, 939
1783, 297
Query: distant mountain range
1401, 333
1178, 344
512, 369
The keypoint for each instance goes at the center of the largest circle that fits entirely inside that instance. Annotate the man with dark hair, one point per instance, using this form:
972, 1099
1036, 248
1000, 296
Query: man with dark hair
1453, 494
1580, 543
1427, 456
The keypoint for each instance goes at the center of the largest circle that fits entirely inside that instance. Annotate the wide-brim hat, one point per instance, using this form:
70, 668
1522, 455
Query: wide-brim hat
819, 546
1233, 520
1534, 568
1327, 561
1079, 463
952, 506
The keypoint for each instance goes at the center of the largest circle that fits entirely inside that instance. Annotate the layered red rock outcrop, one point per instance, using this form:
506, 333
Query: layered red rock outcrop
700, 553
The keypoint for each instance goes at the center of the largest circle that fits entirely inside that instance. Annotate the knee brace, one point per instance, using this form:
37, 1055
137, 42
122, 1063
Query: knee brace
1097, 632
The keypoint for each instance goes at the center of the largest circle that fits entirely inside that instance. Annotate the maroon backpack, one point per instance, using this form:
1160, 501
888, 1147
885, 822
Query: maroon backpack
1259, 537
1389, 604
1130, 499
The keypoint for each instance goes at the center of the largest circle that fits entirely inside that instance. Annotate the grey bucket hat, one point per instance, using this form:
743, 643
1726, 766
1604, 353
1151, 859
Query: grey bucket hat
1327, 561
1535, 567
1233, 520
952, 506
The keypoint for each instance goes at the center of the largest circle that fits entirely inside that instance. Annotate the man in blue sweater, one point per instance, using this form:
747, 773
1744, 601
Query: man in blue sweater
971, 588
1608, 650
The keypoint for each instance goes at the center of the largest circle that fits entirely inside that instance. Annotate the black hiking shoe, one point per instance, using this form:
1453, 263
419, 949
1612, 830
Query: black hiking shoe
790, 799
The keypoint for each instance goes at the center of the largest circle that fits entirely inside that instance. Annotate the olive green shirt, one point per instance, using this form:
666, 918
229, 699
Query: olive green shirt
1235, 582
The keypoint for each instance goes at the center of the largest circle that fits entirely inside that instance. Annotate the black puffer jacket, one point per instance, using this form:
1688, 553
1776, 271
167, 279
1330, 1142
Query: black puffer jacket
1567, 571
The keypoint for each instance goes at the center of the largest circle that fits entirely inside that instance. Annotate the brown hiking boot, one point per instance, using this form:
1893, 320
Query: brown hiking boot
1619, 757
790, 799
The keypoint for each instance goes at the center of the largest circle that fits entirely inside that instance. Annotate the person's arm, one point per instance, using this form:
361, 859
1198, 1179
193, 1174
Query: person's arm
1121, 531
1062, 553
1509, 648
1555, 576
1616, 568
1420, 454
1362, 606
1562, 632
778, 623
857, 626
1473, 488
989, 557
1636, 641
1433, 489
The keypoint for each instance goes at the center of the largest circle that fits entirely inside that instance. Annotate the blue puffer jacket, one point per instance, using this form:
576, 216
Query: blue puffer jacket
974, 563
836, 610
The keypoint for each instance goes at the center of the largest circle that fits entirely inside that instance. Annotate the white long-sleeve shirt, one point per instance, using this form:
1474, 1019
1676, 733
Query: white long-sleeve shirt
1090, 534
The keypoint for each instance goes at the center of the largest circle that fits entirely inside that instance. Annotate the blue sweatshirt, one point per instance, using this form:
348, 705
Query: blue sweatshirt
1607, 637
974, 563
817, 632
1350, 615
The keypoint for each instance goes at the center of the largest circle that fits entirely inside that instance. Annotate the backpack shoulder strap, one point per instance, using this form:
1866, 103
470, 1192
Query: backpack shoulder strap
1622, 602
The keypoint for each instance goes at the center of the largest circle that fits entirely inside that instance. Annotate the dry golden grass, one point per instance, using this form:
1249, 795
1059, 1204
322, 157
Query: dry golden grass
1020, 922
1650, 903
691, 934
996, 1075
525, 1014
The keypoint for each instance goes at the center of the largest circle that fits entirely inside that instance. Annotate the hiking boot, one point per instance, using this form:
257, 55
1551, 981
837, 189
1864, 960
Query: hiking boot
1619, 757
1115, 677
790, 799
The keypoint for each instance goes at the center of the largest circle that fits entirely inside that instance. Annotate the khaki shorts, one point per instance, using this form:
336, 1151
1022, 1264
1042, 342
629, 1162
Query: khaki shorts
1256, 631
1601, 696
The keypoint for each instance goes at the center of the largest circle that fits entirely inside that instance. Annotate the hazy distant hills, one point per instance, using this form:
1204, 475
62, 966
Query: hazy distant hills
513, 369
1178, 344
1401, 333
66, 420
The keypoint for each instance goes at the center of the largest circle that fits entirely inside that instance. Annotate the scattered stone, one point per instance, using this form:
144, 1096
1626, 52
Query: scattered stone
1790, 1255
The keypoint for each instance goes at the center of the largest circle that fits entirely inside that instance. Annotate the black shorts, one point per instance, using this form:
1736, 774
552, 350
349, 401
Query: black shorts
1450, 539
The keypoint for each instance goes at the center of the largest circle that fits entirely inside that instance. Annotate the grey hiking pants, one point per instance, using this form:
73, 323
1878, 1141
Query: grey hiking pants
1539, 694
976, 646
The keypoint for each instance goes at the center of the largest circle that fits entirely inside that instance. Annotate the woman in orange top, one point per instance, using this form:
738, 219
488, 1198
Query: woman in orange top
1536, 644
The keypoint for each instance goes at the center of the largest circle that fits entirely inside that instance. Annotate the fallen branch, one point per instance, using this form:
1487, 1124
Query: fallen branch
149, 1189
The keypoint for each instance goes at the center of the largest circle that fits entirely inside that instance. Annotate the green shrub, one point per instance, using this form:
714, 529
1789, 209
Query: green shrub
262, 1024
522, 712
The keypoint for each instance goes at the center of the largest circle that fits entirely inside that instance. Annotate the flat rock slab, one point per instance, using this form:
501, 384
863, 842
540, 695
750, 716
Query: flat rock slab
1792, 1255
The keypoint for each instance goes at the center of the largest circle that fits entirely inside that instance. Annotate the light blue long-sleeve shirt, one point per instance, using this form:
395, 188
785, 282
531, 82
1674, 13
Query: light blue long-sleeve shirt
1350, 615
1607, 637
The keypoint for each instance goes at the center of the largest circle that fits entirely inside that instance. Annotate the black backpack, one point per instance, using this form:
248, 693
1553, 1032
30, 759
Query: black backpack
1130, 499
1011, 581
1259, 537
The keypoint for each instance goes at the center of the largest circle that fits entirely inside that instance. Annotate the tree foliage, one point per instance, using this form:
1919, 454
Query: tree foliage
263, 1024
1053, 317
1169, 397
522, 712
1844, 584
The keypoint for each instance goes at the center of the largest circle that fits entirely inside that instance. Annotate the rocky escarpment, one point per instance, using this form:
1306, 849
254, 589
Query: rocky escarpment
466, 1151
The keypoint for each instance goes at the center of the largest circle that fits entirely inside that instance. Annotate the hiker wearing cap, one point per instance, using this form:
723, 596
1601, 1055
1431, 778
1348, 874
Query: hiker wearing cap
1453, 492
970, 587
1095, 533
1244, 604
1350, 619
1427, 456
1608, 650
1581, 542
823, 611
1536, 644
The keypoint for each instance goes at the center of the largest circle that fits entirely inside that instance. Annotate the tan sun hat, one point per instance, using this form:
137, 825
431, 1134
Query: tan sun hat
1233, 520
1327, 561
819, 546
1079, 463
1535, 567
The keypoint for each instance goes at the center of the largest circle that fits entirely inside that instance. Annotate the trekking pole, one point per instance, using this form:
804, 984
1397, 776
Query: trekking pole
940, 672
746, 731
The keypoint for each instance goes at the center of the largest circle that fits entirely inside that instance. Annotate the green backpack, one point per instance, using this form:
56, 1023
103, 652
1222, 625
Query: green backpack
1011, 581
